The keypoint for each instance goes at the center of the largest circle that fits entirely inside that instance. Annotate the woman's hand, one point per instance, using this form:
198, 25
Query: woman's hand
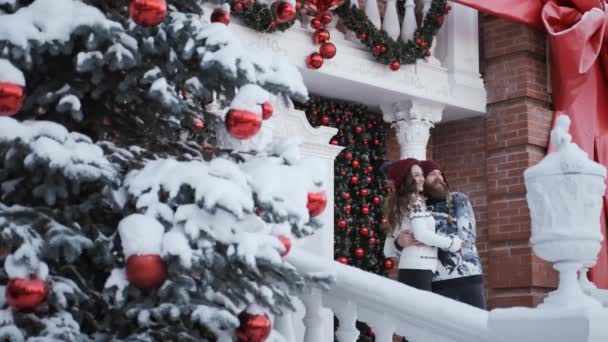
407, 239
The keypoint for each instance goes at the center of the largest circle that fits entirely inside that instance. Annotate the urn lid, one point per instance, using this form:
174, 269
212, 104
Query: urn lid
568, 158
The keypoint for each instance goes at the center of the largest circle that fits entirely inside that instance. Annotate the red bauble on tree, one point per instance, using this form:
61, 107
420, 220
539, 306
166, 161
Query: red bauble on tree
376, 200
239, 6
342, 224
146, 271
334, 142
320, 36
364, 231
317, 201
359, 252
220, 15
358, 129
148, 12
364, 192
26, 294
314, 61
365, 210
372, 241
11, 98
354, 180
325, 120
327, 50
243, 124
355, 164
388, 264
346, 196
197, 125
343, 260
348, 156
286, 244
370, 169
284, 11
253, 327
266, 110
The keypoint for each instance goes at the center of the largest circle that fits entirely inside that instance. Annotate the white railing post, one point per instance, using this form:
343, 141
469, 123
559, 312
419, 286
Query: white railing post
390, 24
383, 328
409, 26
347, 318
372, 12
313, 318
284, 325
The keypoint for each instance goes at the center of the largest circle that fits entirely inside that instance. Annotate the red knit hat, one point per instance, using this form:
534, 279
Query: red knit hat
429, 166
399, 169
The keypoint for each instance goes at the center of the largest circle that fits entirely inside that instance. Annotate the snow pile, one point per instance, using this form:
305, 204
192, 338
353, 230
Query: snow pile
25, 263
10, 74
176, 244
140, 235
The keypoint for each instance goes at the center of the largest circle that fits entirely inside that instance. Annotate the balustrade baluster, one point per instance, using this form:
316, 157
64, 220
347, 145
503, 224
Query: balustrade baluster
409, 26
284, 325
432, 59
372, 12
390, 24
313, 320
383, 328
347, 316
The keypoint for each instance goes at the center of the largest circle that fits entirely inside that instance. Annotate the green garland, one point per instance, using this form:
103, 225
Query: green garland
261, 18
356, 20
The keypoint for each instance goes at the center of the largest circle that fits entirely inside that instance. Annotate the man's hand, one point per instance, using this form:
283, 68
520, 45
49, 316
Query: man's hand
407, 239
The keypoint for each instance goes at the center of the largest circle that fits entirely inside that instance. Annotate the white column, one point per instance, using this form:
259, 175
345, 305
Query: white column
413, 120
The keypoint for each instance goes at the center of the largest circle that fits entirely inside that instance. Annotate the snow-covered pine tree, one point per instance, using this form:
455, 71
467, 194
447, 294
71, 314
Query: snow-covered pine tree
128, 210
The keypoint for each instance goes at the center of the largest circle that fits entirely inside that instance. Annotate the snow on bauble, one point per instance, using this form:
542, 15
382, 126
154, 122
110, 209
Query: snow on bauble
148, 12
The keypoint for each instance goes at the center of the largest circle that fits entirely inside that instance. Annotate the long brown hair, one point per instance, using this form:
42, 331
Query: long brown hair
396, 203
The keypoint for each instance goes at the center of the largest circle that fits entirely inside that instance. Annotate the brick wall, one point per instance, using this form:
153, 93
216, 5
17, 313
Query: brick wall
485, 158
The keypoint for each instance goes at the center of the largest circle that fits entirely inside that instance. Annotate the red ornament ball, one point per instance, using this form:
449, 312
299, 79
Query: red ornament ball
284, 11
372, 241
315, 23
239, 6
376, 142
370, 169
369, 180
326, 18
11, 98
355, 164
334, 142
253, 327
320, 36
447, 10
440, 20
376, 200
266, 110
243, 124
365, 210
26, 294
343, 173
364, 192
342, 224
395, 65
364, 231
314, 61
317, 201
219, 15
197, 125
362, 36
388, 264
325, 120
354, 180
348, 207
348, 156
359, 253
343, 260
377, 50
327, 50
286, 244
148, 12
358, 129
346, 195
146, 271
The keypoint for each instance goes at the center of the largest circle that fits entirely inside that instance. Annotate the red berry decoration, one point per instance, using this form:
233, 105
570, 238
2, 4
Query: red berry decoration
286, 244
362, 36
427, 53
395, 65
220, 15
439, 20
388, 264
377, 50
364, 192
365, 210
11, 98
447, 10
355, 164
253, 327
26, 294
327, 50
266, 110
326, 18
146, 271
342, 224
348, 156
320, 36
284, 11
354, 180
358, 129
314, 61
346, 195
148, 12
315, 23
317, 201
376, 200
364, 231
343, 260
197, 125
325, 120
359, 253
243, 124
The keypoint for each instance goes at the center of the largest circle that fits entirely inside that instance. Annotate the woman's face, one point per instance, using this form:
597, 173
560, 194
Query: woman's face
418, 177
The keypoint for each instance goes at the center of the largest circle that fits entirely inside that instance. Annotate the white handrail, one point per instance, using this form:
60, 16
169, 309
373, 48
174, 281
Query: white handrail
389, 306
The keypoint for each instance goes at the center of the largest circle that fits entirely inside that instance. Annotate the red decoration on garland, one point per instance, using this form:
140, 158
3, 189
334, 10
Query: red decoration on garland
320, 36
343, 260
146, 271
440, 20
220, 15
327, 50
365, 210
239, 6
314, 61
359, 253
372, 241
346, 196
148, 12
253, 327
427, 53
325, 120
358, 129
286, 244
364, 192
266, 110
334, 142
388, 264
348, 156
395, 65
315, 23
362, 36
11, 98
326, 18
355, 164
342, 224
243, 124
26, 294
284, 11
376, 200
447, 9
322, 6
317, 201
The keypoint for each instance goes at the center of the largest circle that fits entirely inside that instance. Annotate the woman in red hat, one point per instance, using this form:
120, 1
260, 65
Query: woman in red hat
406, 211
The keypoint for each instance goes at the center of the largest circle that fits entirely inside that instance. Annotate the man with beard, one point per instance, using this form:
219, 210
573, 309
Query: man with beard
459, 274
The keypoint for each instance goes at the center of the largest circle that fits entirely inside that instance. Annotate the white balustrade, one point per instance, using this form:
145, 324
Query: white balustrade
410, 25
372, 12
390, 24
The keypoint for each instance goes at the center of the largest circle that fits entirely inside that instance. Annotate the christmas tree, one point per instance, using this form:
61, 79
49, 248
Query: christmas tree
144, 197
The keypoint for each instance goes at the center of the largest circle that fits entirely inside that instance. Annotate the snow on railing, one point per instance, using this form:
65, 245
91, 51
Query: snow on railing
387, 306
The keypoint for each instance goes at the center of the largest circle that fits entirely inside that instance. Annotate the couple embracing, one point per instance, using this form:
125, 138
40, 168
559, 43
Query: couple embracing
432, 232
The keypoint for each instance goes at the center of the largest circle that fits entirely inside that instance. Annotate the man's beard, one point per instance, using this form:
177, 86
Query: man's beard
438, 190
